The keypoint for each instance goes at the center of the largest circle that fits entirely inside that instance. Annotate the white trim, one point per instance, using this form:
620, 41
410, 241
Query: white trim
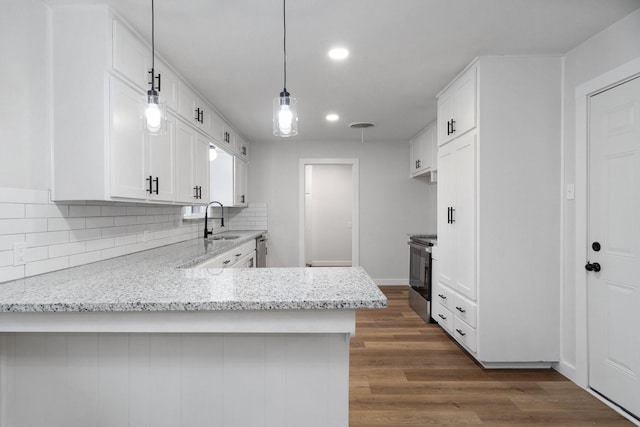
615, 407
355, 207
583, 92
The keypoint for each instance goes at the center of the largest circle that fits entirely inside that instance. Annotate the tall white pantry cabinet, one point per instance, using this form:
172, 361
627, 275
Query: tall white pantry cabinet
497, 286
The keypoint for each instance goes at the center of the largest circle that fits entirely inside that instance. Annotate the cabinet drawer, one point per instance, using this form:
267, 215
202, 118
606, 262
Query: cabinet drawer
465, 310
443, 316
464, 334
442, 295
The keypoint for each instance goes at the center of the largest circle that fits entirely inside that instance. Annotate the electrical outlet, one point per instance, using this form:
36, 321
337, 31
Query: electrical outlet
19, 253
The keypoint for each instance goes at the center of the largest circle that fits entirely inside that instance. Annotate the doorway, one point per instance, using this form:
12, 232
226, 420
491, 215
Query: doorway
329, 213
613, 238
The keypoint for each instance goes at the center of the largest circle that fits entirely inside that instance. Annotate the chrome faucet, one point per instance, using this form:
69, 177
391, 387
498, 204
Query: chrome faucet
207, 233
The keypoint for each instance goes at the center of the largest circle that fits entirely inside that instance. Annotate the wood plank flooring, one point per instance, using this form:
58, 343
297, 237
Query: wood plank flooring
404, 372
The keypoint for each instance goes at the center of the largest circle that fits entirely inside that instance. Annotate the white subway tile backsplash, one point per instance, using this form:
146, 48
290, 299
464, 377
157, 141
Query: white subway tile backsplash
47, 211
7, 241
114, 252
55, 224
11, 273
47, 265
6, 258
11, 210
37, 254
60, 235
14, 226
85, 258
125, 220
96, 245
114, 231
46, 239
56, 251
99, 222
84, 211
86, 234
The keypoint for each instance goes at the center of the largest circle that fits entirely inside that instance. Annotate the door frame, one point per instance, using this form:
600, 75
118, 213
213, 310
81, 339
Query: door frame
355, 206
583, 94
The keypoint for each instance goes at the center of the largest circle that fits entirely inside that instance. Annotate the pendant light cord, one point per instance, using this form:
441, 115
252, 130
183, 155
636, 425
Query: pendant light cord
284, 19
153, 47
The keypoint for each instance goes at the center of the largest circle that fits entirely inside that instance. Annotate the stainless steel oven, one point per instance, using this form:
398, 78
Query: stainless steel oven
420, 275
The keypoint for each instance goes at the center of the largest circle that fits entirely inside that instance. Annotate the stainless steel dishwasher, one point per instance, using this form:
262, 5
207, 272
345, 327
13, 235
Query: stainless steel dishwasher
261, 251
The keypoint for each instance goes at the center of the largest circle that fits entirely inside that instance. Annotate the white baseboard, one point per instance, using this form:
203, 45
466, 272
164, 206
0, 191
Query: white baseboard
391, 282
567, 370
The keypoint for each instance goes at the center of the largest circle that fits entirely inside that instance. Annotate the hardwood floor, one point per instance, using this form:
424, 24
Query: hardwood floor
404, 372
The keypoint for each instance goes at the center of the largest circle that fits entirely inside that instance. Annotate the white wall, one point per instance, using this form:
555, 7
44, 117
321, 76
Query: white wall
616, 45
330, 215
391, 204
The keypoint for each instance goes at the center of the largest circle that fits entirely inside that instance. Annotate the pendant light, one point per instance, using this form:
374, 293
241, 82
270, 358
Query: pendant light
153, 108
285, 107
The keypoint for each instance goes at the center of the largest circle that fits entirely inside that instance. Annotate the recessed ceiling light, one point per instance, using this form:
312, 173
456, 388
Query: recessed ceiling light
332, 117
338, 53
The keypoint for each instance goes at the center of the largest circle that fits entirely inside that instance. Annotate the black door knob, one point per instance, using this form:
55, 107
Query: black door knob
593, 267
595, 246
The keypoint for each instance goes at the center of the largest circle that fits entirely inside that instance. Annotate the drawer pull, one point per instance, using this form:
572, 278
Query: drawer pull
442, 296
442, 317
460, 332
238, 254
460, 309
226, 262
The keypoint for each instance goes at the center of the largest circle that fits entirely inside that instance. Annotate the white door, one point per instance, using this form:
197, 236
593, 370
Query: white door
446, 201
185, 149
162, 163
614, 223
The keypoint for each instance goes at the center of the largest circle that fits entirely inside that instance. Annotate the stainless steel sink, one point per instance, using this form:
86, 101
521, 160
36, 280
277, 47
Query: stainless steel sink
224, 237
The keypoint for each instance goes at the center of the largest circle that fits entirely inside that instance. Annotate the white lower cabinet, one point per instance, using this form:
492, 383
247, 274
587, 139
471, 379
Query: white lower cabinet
464, 334
242, 256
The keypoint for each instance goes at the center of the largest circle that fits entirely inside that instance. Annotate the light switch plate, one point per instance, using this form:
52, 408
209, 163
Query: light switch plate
571, 191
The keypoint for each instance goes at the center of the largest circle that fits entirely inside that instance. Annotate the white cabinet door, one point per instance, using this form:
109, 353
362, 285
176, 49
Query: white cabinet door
415, 152
201, 167
446, 201
240, 197
185, 152
161, 170
426, 148
464, 215
457, 215
445, 116
127, 142
243, 148
465, 102
168, 85
131, 57
187, 104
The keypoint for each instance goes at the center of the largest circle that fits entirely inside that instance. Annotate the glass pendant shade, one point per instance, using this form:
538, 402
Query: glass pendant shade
285, 115
153, 112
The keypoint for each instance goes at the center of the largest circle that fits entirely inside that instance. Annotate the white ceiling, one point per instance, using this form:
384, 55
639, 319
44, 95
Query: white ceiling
402, 53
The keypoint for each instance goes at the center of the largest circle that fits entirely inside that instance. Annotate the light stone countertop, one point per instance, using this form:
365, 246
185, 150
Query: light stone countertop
162, 280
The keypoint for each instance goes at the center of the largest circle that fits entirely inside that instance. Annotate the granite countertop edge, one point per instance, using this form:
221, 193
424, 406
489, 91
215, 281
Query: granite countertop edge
164, 280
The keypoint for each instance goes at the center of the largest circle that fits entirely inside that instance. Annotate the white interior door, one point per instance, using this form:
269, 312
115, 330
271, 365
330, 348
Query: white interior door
614, 223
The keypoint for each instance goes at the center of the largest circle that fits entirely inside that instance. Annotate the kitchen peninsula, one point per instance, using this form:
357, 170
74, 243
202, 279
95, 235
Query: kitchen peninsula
147, 339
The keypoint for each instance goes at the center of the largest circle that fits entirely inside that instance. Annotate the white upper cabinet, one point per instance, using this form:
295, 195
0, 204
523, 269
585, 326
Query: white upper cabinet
240, 197
423, 151
457, 107
100, 72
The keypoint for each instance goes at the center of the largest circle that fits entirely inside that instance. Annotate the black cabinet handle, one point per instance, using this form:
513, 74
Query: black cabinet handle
159, 81
150, 189
242, 199
418, 161
244, 151
226, 262
449, 127
460, 332
452, 218
442, 317
453, 126
442, 296
195, 189
157, 181
460, 309
198, 114
448, 215
201, 116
